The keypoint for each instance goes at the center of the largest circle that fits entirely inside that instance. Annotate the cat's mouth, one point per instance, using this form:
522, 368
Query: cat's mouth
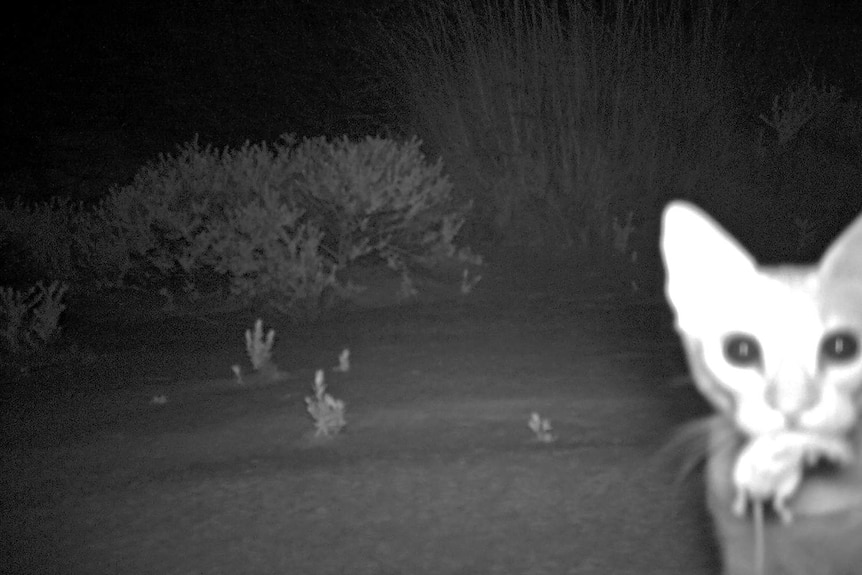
829, 489
827, 486
823, 469
831, 484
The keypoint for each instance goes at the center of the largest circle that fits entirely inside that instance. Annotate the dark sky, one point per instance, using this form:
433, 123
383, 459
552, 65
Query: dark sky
254, 70
121, 57
112, 59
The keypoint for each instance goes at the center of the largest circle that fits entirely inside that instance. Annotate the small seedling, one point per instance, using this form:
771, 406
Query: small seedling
793, 109
159, 400
237, 372
541, 427
468, 282
259, 348
343, 362
408, 288
327, 412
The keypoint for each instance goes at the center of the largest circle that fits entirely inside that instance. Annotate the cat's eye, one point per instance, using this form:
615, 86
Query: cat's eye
742, 350
839, 346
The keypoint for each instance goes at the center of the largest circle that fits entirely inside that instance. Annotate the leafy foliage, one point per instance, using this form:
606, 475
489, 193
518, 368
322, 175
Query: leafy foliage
30, 319
378, 197
272, 223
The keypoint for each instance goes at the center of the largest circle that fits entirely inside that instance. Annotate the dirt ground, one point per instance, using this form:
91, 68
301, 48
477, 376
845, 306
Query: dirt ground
436, 471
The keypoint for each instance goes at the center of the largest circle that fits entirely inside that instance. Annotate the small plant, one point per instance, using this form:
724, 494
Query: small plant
29, 320
259, 348
343, 362
541, 427
237, 373
796, 107
407, 289
327, 412
468, 282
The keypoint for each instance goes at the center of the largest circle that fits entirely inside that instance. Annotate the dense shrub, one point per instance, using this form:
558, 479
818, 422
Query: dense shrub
275, 222
29, 320
272, 253
378, 197
62, 240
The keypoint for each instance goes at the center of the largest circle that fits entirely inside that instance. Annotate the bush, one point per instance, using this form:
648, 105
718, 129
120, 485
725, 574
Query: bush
270, 256
285, 218
38, 239
29, 320
62, 240
165, 216
378, 197
275, 223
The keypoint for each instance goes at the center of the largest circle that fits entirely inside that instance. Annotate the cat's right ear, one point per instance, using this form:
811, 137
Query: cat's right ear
704, 264
843, 259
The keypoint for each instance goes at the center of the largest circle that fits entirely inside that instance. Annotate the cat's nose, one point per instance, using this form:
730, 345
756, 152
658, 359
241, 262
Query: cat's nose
791, 400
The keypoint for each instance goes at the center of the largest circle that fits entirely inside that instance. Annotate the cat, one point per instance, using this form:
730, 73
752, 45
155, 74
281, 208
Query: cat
776, 351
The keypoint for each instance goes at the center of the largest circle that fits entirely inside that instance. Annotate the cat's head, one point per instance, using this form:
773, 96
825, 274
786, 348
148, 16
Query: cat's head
772, 348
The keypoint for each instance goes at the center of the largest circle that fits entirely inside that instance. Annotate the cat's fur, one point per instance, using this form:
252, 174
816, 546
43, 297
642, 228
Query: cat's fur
787, 376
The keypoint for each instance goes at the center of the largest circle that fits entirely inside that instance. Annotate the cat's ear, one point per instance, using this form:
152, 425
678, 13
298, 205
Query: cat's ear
704, 264
843, 259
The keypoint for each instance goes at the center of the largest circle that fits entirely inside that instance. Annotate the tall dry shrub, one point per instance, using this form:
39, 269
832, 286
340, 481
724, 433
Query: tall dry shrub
558, 116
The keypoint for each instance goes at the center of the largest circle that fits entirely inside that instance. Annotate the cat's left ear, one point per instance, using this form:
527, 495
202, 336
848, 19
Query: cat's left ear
843, 259
706, 269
